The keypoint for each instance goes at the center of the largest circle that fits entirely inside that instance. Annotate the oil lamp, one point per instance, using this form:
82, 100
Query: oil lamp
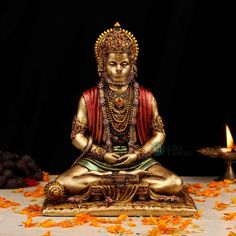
228, 154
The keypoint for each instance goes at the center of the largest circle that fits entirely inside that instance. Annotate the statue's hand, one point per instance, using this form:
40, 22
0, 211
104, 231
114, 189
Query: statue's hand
111, 157
126, 160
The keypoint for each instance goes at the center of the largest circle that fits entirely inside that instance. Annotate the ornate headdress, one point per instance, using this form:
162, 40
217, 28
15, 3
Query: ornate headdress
116, 40
113, 41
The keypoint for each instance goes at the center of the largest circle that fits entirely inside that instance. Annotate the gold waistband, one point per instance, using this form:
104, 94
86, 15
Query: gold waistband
121, 149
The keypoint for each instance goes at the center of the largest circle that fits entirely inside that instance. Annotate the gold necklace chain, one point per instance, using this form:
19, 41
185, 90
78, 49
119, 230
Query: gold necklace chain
107, 129
121, 124
121, 119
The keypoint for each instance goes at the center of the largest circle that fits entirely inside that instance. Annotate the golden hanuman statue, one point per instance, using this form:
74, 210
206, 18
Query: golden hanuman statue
117, 127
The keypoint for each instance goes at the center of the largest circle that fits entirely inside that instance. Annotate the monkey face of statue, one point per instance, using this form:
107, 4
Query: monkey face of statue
118, 67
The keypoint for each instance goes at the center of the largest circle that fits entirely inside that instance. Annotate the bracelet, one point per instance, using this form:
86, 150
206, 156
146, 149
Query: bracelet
141, 154
97, 153
77, 127
157, 125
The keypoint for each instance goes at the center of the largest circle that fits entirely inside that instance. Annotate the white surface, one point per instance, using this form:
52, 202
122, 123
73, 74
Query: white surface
210, 223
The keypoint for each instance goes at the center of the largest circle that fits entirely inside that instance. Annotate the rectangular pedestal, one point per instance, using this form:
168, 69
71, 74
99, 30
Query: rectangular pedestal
184, 207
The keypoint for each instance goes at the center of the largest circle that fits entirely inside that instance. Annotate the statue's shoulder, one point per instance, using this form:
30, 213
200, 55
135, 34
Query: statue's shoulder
145, 91
93, 91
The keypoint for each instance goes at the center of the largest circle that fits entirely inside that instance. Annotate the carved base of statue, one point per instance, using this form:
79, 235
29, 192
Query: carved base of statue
117, 194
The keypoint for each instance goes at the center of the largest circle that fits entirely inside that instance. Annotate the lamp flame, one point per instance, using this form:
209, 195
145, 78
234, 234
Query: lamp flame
229, 138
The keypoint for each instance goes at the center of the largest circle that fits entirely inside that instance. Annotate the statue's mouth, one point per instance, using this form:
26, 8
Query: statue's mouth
118, 80
120, 77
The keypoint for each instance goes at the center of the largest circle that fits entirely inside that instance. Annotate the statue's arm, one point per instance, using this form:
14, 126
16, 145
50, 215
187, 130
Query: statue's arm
158, 133
80, 126
80, 136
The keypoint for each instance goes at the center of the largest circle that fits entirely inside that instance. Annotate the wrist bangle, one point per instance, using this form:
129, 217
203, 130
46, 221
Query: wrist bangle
97, 153
141, 154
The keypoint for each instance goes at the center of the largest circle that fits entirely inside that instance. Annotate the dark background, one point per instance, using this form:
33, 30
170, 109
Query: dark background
48, 60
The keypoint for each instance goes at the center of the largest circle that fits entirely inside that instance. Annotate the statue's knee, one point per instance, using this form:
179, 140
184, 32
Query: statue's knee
63, 179
72, 184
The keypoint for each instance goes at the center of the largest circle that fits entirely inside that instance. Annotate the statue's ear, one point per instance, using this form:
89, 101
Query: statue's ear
134, 70
101, 66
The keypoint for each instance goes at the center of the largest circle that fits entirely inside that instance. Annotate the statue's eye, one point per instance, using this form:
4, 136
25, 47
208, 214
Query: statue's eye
124, 63
112, 63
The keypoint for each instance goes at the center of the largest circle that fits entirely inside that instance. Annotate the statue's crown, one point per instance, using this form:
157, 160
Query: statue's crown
116, 40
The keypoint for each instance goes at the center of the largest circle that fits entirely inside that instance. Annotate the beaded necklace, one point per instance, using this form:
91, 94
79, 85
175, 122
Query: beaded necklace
114, 105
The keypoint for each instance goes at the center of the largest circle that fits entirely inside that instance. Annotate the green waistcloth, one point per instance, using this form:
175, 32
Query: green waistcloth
94, 165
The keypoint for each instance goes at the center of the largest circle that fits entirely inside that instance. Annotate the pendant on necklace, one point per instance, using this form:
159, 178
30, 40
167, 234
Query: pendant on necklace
119, 102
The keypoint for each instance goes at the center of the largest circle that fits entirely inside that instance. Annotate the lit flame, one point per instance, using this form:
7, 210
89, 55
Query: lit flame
229, 138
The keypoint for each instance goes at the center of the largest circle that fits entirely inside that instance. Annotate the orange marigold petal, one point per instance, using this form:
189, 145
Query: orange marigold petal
231, 233
48, 223
233, 200
18, 190
46, 176
48, 233
185, 224
199, 200
131, 224
116, 229
29, 223
229, 216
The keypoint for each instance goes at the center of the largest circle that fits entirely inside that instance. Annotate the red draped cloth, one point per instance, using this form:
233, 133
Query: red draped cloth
144, 114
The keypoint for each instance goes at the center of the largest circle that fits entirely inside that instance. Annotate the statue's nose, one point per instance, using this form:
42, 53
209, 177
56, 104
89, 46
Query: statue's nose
118, 69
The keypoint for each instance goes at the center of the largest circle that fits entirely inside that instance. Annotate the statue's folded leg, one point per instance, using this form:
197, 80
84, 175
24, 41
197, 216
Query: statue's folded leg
162, 181
66, 183
75, 181
70, 181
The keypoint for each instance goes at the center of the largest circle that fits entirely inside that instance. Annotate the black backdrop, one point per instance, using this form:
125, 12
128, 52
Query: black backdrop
48, 60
